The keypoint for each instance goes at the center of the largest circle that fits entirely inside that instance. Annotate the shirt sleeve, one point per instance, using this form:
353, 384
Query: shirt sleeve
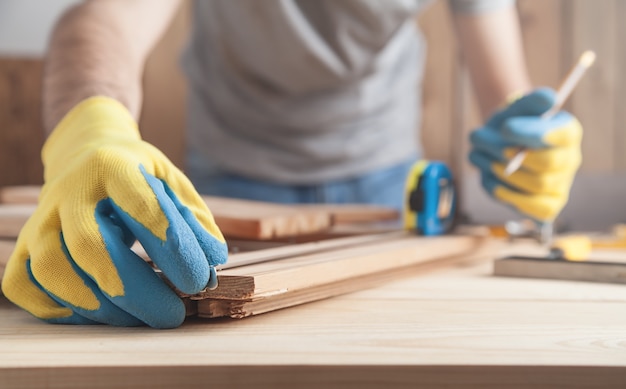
478, 6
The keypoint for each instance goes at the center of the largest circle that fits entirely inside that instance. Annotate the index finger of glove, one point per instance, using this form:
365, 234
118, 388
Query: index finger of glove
534, 132
147, 210
535, 103
198, 216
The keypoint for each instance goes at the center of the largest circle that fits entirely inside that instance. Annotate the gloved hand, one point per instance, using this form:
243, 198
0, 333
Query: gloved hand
540, 188
104, 188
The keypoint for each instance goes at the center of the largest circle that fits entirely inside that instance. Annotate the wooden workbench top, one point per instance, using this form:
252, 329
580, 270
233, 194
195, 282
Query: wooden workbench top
458, 326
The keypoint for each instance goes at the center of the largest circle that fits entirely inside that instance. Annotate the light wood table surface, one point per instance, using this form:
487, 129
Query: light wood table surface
458, 327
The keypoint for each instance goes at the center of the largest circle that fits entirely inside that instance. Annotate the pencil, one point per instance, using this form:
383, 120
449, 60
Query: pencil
565, 89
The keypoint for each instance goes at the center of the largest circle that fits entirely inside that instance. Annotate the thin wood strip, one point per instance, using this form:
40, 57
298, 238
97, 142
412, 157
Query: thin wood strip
300, 272
283, 252
237, 309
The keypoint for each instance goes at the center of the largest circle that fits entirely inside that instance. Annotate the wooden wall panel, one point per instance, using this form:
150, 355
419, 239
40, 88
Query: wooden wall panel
21, 128
620, 87
541, 23
162, 120
593, 25
437, 127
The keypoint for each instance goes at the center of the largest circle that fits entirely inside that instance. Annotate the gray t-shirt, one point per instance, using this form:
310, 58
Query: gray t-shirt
305, 91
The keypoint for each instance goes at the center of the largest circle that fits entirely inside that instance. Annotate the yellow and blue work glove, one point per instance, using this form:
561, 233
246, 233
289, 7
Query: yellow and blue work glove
540, 188
105, 188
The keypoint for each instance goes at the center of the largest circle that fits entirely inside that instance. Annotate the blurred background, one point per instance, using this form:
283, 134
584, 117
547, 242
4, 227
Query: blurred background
556, 32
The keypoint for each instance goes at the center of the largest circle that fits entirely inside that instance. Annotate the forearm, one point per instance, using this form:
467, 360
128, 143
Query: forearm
99, 48
492, 47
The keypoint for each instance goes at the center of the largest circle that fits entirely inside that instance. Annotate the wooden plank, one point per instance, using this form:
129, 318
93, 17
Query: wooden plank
289, 251
343, 264
353, 213
236, 218
457, 327
247, 219
237, 308
261, 220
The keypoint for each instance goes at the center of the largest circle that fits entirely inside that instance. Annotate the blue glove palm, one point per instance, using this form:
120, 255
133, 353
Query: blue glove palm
540, 188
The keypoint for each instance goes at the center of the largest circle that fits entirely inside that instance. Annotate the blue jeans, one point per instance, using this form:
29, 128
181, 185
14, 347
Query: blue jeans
383, 187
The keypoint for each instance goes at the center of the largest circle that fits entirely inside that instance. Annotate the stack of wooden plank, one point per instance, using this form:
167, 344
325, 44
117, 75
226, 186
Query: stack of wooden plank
279, 273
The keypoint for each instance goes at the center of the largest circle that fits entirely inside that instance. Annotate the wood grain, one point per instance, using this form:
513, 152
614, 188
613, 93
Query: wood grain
236, 218
290, 250
353, 213
343, 264
260, 220
238, 308
455, 327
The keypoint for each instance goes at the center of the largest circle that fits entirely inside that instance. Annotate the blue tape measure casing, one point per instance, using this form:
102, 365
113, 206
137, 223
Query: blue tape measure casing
431, 198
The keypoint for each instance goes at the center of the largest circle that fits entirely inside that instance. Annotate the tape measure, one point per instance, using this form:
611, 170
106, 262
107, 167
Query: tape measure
430, 202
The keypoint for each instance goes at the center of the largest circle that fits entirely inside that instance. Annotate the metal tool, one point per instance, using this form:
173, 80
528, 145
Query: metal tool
430, 204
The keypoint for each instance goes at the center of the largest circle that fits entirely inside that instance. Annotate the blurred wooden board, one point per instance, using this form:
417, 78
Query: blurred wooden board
236, 218
6, 248
591, 270
13, 218
20, 194
353, 213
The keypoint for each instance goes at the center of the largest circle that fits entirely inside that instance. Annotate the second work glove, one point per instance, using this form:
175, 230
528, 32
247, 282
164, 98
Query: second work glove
540, 188
105, 188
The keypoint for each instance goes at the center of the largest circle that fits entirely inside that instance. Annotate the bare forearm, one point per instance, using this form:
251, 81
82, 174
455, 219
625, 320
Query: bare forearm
492, 46
99, 48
